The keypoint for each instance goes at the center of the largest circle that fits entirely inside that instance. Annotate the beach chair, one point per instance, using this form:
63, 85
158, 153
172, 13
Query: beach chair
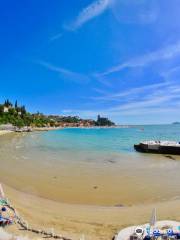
170, 232
157, 234
164, 237
138, 234
5, 221
147, 237
178, 233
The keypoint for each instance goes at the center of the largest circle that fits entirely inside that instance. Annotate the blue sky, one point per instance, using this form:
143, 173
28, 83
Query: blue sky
119, 58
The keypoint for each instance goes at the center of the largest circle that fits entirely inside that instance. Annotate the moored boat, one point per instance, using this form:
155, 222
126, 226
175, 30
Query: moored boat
162, 147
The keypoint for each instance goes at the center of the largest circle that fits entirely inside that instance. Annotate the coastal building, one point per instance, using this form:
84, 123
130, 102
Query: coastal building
102, 121
6, 109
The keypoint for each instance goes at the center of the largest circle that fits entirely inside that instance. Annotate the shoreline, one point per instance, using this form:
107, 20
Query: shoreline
35, 129
44, 129
4, 132
41, 129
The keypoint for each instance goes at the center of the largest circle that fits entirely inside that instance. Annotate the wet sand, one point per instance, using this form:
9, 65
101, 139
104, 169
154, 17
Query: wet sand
4, 132
106, 186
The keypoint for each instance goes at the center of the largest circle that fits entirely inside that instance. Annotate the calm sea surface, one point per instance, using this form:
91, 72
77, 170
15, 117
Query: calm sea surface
106, 140
91, 166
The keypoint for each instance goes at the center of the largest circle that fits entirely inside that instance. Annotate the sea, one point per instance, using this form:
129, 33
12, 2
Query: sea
93, 166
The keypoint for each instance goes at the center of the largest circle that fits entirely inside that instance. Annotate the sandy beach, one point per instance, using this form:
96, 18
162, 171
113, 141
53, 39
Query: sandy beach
89, 118
4, 132
94, 222
84, 193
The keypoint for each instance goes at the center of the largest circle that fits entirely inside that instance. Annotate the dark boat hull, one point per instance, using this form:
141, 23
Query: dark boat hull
160, 150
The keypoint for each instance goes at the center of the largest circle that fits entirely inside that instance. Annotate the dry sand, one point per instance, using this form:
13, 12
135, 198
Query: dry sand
94, 222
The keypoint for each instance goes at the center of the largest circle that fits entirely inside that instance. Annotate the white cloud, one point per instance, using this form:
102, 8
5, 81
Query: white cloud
65, 73
135, 11
55, 37
155, 102
91, 11
165, 53
130, 92
162, 99
168, 74
97, 7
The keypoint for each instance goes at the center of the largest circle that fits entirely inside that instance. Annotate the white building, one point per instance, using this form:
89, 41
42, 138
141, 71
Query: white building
6, 109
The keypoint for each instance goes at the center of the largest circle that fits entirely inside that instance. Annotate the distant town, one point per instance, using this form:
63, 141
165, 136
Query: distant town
16, 115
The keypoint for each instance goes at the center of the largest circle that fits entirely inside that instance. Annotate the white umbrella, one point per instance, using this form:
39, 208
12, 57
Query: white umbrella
2, 195
153, 218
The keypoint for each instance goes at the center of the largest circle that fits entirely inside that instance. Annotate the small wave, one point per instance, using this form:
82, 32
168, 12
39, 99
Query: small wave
24, 157
18, 146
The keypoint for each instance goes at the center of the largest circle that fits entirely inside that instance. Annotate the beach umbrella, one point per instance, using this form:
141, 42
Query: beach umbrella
2, 195
83, 237
153, 218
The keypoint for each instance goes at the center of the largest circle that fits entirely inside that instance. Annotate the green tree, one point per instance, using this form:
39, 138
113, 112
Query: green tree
16, 104
1, 109
7, 103
19, 123
23, 110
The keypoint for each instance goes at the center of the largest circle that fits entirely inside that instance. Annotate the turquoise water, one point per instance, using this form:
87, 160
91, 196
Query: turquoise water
66, 164
107, 139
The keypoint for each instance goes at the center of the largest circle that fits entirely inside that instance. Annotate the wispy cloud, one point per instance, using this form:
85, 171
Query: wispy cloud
162, 98
146, 103
97, 7
65, 73
170, 72
165, 53
91, 11
130, 92
135, 11
55, 37
148, 17
143, 112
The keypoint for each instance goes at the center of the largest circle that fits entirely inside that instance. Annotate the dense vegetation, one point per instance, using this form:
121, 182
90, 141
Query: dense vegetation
18, 116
